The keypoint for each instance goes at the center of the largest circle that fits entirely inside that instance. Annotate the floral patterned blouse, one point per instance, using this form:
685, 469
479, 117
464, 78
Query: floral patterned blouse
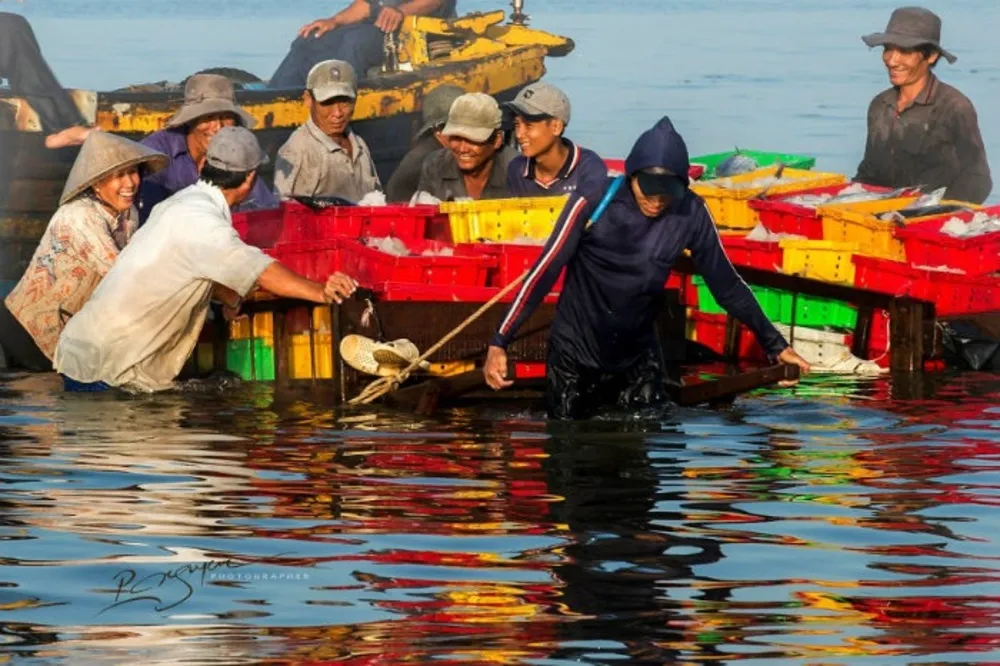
80, 244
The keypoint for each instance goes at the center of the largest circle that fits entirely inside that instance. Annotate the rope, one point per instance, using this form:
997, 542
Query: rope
384, 385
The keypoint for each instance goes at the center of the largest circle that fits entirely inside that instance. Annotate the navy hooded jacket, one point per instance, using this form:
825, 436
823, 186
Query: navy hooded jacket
617, 268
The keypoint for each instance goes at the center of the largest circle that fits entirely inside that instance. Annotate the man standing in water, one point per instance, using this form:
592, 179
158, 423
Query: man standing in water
603, 349
922, 131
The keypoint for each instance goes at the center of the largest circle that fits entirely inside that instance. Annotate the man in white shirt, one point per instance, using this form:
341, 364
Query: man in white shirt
143, 321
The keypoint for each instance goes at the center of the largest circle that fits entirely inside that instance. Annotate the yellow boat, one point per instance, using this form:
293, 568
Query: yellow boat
477, 52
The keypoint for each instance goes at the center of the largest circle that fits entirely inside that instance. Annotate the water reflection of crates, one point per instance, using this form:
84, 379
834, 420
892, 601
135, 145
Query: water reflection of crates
819, 260
503, 220
728, 198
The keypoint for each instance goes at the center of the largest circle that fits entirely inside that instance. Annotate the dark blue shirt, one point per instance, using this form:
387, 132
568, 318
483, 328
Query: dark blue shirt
616, 268
583, 169
182, 172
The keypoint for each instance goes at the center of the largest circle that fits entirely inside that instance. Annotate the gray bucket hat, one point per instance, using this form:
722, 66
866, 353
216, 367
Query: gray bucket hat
437, 104
910, 27
101, 155
208, 94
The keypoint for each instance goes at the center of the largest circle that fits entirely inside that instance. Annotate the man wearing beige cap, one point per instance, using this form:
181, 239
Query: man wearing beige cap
474, 165
323, 158
549, 163
209, 105
143, 320
434, 114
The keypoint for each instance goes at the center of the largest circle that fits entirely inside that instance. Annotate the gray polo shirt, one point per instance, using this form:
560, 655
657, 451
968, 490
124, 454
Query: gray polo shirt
935, 142
441, 178
311, 164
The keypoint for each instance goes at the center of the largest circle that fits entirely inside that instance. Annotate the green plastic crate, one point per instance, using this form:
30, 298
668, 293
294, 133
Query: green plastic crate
764, 159
238, 359
777, 306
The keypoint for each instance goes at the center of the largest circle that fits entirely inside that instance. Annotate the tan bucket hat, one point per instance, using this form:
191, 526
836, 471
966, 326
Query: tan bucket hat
101, 155
207, 94
379, 358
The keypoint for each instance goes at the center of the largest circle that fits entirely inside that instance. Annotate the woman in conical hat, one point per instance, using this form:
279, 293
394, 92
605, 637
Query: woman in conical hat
95, 220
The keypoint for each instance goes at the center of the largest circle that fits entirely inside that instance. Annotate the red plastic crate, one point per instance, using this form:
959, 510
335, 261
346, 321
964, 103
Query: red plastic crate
617, 168
951, 294
394, 292
779, 216
315, 260
710, 330
754, 254
512, 260
294, 223
369, 266
878, 338
926, 246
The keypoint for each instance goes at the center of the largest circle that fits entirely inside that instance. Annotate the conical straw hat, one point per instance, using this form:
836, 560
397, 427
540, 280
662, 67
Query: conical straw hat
379, 358
103, 154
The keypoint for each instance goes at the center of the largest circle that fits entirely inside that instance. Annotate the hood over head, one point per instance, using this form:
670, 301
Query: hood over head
660, 146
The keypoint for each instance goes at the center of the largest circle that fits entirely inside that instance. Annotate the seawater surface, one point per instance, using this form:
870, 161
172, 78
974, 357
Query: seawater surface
842, 521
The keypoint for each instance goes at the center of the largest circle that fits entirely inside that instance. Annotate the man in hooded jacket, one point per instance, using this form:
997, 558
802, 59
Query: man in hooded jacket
602, 344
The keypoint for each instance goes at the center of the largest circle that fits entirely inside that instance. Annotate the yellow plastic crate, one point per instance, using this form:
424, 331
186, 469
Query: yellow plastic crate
300, 359
858, 223
263, 325
727, 198
503, 220
824, 260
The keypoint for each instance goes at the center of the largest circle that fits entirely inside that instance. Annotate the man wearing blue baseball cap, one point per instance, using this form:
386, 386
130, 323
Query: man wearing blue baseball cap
603, 349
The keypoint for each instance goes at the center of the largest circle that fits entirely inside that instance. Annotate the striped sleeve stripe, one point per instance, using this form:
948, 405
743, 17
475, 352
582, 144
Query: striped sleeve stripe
529, 284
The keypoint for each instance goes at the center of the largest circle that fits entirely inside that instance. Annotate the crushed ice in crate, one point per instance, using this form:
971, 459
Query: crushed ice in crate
980, 224
736, 164
439, 252
424, 199
760, 233
389, 245
375, 198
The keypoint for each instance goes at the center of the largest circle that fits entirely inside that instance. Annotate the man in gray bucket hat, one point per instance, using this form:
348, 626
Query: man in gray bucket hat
209, 105
143, 321
433, 115
922, 131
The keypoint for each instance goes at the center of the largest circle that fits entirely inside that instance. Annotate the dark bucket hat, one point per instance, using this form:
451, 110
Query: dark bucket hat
910, 27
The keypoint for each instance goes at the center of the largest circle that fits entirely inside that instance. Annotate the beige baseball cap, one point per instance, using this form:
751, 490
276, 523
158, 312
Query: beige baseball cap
473, 116
332, 78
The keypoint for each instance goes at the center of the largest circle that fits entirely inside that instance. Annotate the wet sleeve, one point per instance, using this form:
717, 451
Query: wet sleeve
556, 253
973, 182
725, 283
